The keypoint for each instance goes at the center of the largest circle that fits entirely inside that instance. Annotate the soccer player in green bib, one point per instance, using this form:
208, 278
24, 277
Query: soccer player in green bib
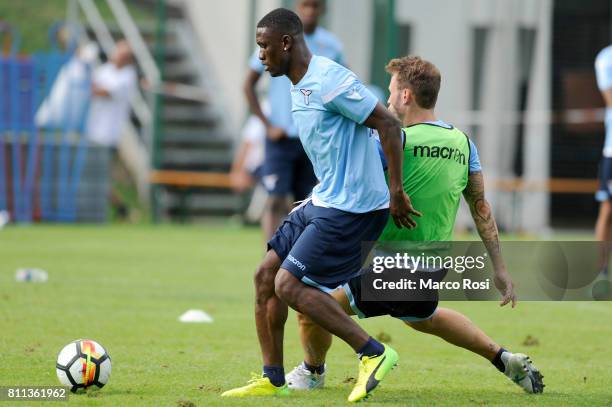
440, 164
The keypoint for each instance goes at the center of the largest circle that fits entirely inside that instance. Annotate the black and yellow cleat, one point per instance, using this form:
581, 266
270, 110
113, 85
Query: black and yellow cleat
258, 386
371, 372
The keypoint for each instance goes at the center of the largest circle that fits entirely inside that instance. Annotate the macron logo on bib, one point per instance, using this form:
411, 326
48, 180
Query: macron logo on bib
295, 261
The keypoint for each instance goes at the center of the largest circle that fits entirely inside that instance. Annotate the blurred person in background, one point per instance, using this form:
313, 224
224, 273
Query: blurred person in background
248, 164
113, 86
287, 170
248, 161
106, 89
603, 227
64, 107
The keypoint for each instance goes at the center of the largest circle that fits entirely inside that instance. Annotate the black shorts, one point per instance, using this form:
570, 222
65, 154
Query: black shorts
411, 311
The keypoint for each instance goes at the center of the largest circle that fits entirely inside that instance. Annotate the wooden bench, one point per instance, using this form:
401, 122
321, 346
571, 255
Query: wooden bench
222, 180
552, 185
191, 179
185, 182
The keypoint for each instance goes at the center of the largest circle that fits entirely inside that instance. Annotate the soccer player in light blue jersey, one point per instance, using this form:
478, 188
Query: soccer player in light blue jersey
318, 247
286, 170
603, 228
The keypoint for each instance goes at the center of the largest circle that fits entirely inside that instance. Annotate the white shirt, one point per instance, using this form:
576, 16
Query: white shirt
65, 106
254, 132
603, 72
108, 115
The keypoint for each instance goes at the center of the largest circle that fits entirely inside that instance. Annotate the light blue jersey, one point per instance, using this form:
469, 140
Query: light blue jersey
603, 72
474, 159
329, 107
320, 42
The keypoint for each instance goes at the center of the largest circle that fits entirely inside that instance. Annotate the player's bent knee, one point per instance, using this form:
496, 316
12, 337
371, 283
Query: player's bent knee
285, 286
304, 320
265, 275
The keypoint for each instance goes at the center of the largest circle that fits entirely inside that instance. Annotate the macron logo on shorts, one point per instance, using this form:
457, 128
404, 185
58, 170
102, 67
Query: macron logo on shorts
297, 263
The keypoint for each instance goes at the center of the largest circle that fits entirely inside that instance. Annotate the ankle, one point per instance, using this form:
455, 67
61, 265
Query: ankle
318, 369
500, 359
276, 374
371, 348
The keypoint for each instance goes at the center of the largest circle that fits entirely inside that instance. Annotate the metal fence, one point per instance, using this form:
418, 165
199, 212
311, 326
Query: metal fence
48, 171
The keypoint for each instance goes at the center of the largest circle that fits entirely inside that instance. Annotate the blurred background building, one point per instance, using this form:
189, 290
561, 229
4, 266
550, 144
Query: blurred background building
517, 77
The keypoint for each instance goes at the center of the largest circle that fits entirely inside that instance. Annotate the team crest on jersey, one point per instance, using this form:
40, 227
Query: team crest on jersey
306, 93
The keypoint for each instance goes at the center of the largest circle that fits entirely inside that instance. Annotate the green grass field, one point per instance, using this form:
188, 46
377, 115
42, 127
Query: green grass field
125, 286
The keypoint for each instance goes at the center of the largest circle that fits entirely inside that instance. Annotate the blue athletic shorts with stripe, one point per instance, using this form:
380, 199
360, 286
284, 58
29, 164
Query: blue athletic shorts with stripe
287, 169
605, 180
322, 247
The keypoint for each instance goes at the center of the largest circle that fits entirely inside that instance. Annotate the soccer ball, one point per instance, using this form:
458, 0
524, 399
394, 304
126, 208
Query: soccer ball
83, 364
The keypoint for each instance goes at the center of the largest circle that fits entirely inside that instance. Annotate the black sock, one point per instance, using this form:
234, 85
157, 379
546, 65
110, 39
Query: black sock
276, 374
315, 369
497, 360
371, 348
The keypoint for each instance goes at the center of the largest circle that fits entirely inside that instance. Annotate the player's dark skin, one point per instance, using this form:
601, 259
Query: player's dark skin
287, 54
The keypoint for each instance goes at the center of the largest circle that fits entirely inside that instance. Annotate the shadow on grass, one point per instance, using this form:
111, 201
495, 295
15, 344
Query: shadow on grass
439, 395
108, 392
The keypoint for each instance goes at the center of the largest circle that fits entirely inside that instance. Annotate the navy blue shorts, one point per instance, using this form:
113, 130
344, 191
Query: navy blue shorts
257, 173
605, 180
322, 247
287, 169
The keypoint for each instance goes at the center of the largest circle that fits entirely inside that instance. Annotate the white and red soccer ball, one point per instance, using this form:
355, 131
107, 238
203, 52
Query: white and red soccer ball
83, 364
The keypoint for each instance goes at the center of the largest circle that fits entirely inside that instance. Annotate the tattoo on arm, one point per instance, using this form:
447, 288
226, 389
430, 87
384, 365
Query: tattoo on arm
483, 217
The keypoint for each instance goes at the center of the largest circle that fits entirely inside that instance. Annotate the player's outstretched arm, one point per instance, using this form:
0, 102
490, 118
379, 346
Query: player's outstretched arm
390, 134
487, 229
250, 82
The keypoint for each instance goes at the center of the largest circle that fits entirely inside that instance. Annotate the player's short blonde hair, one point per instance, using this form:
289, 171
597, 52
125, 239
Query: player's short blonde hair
420, 76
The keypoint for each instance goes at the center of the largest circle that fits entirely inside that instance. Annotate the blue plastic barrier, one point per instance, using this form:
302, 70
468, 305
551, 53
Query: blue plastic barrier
46, 162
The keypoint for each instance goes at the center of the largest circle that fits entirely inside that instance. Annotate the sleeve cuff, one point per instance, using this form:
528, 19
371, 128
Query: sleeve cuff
370, 109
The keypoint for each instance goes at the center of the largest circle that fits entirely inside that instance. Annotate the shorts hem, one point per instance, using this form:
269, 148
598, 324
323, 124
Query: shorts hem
417, 319
602, 196
312, 283
272, 245
352, 304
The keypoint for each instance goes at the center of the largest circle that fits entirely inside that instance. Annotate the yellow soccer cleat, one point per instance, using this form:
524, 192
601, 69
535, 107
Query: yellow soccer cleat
258, 386
371, 372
